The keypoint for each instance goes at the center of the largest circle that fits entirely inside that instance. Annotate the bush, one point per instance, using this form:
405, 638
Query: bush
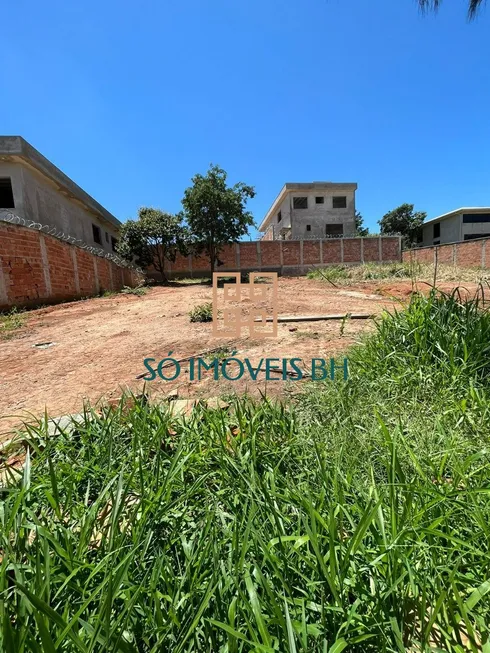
202, 313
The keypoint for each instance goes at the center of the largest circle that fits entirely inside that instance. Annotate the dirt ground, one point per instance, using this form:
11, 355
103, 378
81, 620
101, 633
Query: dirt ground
99, 344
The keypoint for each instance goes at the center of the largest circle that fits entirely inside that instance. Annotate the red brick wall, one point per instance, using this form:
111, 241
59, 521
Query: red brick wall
371, 250
270, 253
36, 268
332, 251
311, 252
352, 250
290, 256
470, 254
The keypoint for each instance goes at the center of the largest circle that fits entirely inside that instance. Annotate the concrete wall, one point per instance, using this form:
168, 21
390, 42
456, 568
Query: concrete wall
316, 215
468, 254
454, 230
37, 198
288, 257
450, 231
39, 269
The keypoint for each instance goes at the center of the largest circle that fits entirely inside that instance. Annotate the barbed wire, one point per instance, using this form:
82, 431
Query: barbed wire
13, 218
275, 234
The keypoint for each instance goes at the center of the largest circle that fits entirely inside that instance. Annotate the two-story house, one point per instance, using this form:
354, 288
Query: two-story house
33, 188
321, 209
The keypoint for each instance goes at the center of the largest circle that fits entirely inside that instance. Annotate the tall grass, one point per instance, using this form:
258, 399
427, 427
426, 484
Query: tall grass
357, 519
347, 274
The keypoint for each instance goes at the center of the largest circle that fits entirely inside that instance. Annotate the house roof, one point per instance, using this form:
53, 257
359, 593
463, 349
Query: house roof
464, 209
16, 148
302, 186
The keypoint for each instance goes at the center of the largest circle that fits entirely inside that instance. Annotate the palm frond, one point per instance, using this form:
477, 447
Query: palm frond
433, 5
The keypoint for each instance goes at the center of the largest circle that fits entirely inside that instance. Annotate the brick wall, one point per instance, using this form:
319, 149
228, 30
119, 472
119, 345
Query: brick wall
288, 257
36, 268
468, 254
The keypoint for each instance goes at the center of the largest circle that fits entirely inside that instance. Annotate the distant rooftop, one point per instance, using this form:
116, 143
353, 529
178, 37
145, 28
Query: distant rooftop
310, 185
17, 148
464, 209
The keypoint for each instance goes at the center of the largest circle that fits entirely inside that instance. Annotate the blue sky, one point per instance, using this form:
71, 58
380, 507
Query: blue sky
132, 99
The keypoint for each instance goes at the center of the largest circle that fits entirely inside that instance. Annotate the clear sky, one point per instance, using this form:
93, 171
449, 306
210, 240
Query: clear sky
131, 99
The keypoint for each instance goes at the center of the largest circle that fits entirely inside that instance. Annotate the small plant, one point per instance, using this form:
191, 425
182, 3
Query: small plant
10, 322
202, 313
137, 290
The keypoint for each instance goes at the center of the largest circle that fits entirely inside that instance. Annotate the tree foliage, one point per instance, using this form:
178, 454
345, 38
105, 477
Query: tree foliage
216, 213
361, 230
433, 5
405, 221
154, 237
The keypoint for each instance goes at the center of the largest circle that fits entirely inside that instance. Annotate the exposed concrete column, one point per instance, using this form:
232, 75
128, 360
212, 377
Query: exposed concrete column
96, 275
400, 248
301, 252
454, 254
45, 264
237, 256
362, 250
483, 253
380, 249
259, 255
341, 250
321, 251
189, 260
75, 269
3, 287
110, 274
281, 255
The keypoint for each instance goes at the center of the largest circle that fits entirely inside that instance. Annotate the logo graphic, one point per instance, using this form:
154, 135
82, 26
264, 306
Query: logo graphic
250, 305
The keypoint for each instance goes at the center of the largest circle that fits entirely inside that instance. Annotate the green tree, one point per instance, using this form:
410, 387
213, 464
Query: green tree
405, 221
359, 222
154, 237
216, 213
473, 6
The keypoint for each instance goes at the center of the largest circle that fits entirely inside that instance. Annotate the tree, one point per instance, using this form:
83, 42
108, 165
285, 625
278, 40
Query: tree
154, 237
216, 213
405, 221
473, 6
359, 221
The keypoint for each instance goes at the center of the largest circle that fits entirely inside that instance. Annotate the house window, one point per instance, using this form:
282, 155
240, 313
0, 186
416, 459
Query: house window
6, 194
437, 230
475, 236
279, 216
476, 217
96, 234
339, 202
300, 202
308, 227
319, 200
113, 243
334, 229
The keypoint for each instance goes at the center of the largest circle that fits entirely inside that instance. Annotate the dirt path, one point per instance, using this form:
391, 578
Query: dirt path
100, 344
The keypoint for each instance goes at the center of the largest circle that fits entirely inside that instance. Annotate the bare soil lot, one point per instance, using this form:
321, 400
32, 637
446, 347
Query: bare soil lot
100, 344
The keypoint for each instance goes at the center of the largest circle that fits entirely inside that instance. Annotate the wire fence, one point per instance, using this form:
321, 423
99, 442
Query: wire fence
12, 218
272, 233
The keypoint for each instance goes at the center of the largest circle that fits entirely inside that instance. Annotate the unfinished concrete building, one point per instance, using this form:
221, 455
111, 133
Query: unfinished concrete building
321, 209
33, 188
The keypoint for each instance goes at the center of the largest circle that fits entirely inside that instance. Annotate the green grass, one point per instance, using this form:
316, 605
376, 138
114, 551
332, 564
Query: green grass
356, 519
10, 323
345, 275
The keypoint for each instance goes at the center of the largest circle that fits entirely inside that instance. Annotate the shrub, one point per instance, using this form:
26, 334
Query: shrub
202, 313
